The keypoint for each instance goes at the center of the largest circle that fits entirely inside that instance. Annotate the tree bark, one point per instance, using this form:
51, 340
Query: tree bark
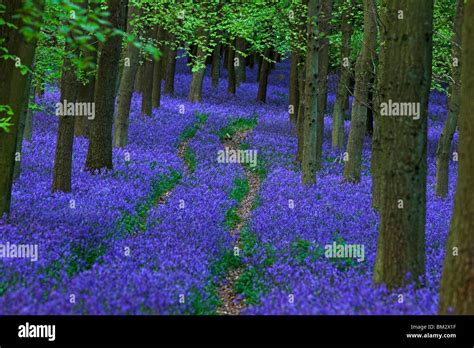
170, 68
231, 82
342, 92
195, 90
29, 90
457, 282
62, 179
301, 113
443, 152
147, 94
125, 93
216, 66
86, 92
263, 78
364, 74
99, 154
405, 77
157, 73
325, 30
293, 92
240, 74
12, 88
310, 153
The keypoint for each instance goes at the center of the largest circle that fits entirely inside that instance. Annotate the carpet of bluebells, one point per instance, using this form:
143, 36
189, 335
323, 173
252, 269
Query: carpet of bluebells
149, 237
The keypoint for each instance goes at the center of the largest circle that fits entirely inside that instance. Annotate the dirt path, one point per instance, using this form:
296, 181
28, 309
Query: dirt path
230, 304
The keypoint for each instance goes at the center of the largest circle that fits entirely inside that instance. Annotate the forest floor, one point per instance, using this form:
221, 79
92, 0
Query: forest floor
157, 235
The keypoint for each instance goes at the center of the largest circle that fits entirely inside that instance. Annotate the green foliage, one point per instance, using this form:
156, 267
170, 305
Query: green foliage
190, 159
231, 219
300, 249
240, 189
237, 125
5, 121
191, 130
134, 222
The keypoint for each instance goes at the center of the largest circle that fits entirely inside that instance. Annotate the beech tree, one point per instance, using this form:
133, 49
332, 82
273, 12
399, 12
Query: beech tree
364, 73
310, 152
323, 61
125, 93
342, 92
99, 153
457, 282
443, 153
13, 84
404, 77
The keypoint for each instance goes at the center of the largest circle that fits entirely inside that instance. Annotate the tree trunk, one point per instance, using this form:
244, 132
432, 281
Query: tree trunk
301, 113
457, 282
86, 93
12, 89
443, 152
147, 94
195, 90
99, 154
139, 76
369, 129
293, 92
28, 132
231, 83
170, 68
364, 74
310, 153
226, 56
325, 30
216, 66
375, 165
157, 71
342, 92
22, 125
64, 145
251, 61
405, 77
263, 78
240, 74
126, 88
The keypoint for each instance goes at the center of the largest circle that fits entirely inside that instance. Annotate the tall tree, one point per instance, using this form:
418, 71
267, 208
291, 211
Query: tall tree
99, 153
158, 71
310, 153
364, 73
87, 87
199, 68
12, 89
457, 282
444, 144
126, 84
240, 73
344, 77
170, 67
405, 77
147, 80
216, 66
263, 76
324, 32
231, 80
64, 144
293, 88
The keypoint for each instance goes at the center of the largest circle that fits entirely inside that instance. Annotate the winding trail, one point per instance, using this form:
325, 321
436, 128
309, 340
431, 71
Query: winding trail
231, 305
